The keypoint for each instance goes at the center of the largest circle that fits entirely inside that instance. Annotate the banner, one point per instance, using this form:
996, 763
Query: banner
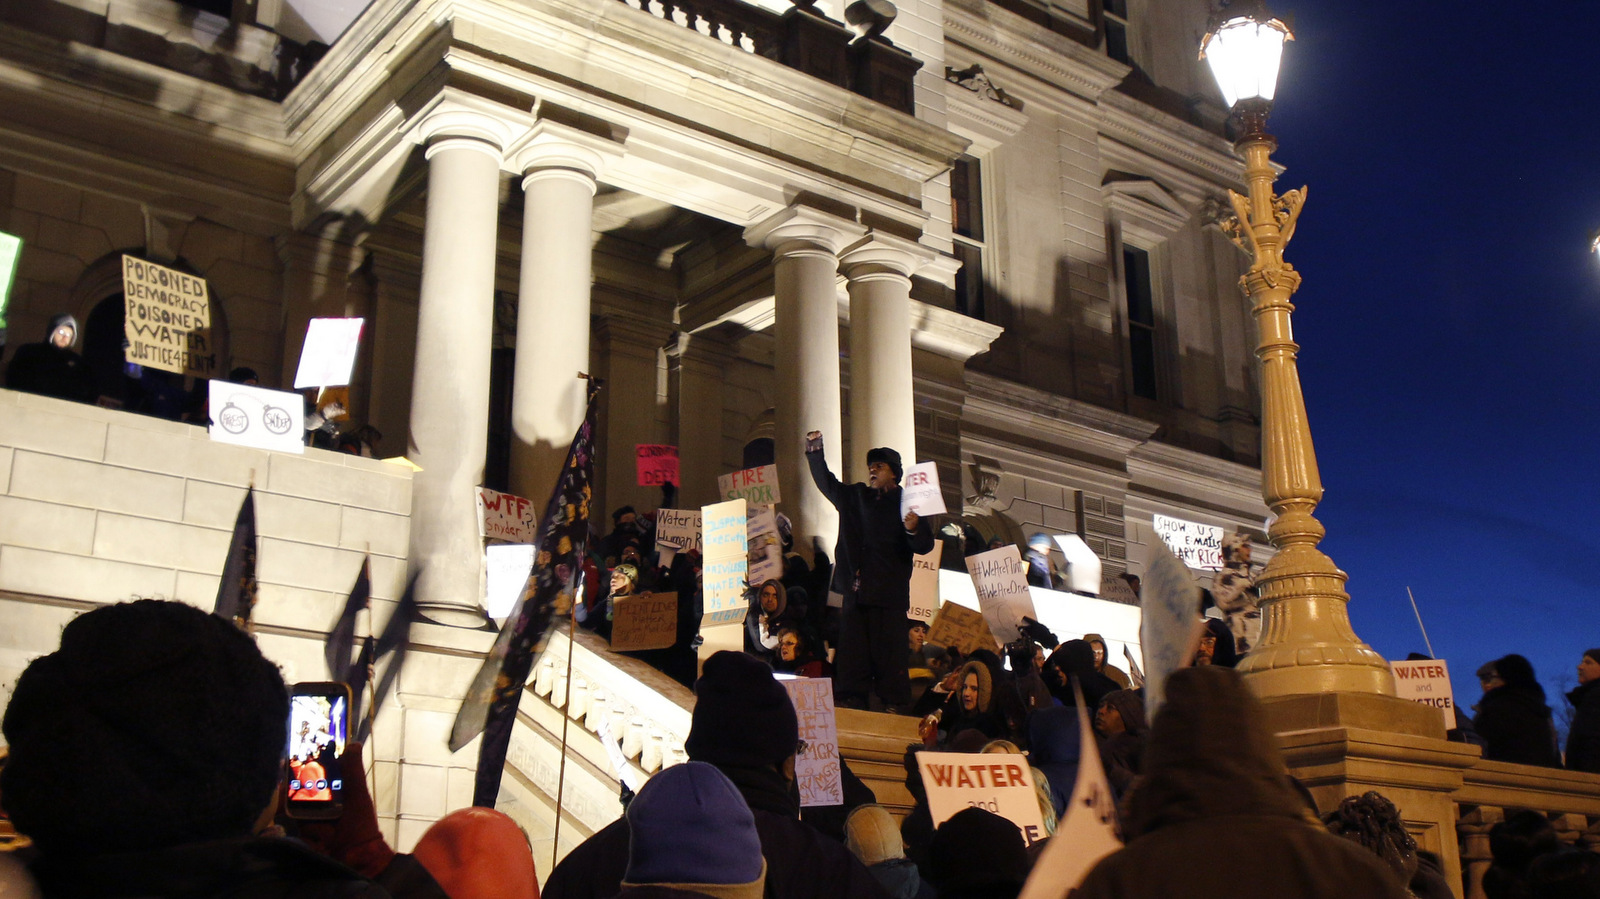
656, 464
919, 491
168, 319
998, 782
766, 548
925, 584
645, 621
1001, 579
506, 517
1169, 624
757, 486
329, 353
724, 575
1196, 545
256, 416
816, 771
961, 627
1428, 682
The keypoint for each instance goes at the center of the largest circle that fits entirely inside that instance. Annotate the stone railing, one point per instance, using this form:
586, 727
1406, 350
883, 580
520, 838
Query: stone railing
1492, 790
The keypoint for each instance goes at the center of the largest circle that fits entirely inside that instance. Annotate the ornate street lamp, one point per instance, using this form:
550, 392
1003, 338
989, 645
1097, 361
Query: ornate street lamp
1307, 645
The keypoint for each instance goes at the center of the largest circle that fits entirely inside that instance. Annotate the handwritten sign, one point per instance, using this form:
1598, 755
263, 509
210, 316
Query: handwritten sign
168, 319
656, 464
757, 486
816, 771
679, 529
919, 490
508, 565
961, 627
1001, 579
506, 517
1115, 589
256, 416
726, 569
1428, 682
646, 621
1196, 545
925, 584
765, 547
329, 353
999, 782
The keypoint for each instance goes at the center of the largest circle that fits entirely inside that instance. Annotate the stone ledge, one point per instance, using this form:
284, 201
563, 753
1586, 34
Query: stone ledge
1355, 711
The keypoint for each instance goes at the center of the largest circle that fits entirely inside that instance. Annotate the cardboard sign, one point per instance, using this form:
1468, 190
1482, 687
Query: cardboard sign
168, 319
925, 584
999, 782
757, 486
646, 621
816, 771
258, 417
1428, 682
725, 573
765, 547
329, 353
656, 464
961, 627
508, 567
919, 490
1001, 579
679, 529
507, 517
1196, 545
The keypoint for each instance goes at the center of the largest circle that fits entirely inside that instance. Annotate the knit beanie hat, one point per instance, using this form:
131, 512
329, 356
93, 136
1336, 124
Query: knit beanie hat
690, 827
1593, 654
479, 853
870, 833
888, 457
742, 716
977, 853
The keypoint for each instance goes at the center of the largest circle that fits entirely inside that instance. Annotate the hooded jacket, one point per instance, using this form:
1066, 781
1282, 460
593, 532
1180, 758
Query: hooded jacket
1054, 747
1583, 740
49, 370
1515, 723
1215, 817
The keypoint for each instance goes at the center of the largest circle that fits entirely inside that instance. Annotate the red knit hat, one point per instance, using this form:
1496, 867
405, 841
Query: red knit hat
479, 853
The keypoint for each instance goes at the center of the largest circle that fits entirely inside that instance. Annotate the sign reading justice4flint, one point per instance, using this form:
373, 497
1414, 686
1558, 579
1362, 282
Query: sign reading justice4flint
757, 486
168, 319
998, 782
1426, 681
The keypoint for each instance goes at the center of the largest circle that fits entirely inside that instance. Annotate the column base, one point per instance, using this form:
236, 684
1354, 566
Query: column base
453, 615
1368, 711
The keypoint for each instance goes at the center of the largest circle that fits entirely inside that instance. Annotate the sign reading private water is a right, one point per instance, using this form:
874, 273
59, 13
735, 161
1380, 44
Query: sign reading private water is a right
919, 491
1196, 545
1426, 681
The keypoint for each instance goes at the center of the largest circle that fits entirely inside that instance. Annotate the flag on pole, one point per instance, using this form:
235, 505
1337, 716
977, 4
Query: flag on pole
342, 639
490, 707
391, 642
236, 592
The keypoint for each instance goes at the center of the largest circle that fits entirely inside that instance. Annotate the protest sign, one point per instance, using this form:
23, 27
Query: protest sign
256, 416
816, 771
1116, 589
919, 491
725, 572
1428, 682
167, 319
961, 627
1001, 579
757, 486
645, 621
1195, 545
329, 353
507, 517
508, 567
1088, 830
679, 529
1083, 566
765, 549
925, 584
996, 781
656, 464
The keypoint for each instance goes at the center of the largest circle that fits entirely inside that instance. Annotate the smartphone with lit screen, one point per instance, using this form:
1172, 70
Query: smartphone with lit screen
319, 728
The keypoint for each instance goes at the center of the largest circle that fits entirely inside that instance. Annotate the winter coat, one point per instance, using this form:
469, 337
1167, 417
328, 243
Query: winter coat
1054, 747
1583, 741
801, 862
49, 370
1515, 724
873, 547
1216, 818
901, 879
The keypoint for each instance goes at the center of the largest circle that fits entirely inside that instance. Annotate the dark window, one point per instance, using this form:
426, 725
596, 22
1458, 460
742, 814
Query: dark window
1141, 320
966, 220
223, 8
497, 462
1116, 19
969, 280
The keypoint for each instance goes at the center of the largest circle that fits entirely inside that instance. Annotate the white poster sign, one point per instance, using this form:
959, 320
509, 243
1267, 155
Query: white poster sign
329, 353
998, 782
919, 491
507, 517
816, 771
756, 486
508, 568
1001, 579
1196, 545
679, 529
725, 572
1428, 682
925, 584
765, 547
258, 417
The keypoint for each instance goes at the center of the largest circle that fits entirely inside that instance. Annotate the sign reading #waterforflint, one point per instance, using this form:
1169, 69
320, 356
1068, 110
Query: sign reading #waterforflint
168, 319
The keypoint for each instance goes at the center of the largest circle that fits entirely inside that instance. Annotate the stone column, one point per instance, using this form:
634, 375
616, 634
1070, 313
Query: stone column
882, 396
560, 166
450, 380
805, 244
630, 357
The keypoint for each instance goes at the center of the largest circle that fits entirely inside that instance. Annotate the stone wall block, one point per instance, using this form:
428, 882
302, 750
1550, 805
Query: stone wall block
212, 505
304, 565
386, 788
25, 522
121, 221
6, 454
75, 483
198, 590
1060, 521
24, 570
377, 532
45, 430
280, 605
461, 784
131, 539
313, 475
46, 197
300, 520
1043, 493
425, 738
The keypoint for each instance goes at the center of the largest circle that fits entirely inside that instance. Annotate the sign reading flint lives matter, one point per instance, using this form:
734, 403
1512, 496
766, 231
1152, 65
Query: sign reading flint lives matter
256, 416
919, 491
725, 572
998, 782
816, 771
1001, 579
168, 319
645, 621
756, 486
925, 584
1426, 681
1196, 545
506, 517
656, 464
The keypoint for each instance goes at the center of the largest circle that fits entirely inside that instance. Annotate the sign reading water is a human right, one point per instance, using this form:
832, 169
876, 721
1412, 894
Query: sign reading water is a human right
1001, 580
997, 782
1196, 545
726, 565
919, 491
816, 770
1426, 681
167, 319
256, 416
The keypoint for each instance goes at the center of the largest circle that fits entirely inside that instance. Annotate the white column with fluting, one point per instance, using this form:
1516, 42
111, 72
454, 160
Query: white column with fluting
560, 168
882, 393
450, 378
805, 244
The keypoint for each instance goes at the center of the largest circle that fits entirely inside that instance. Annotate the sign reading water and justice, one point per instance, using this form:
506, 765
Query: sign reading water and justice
168, 319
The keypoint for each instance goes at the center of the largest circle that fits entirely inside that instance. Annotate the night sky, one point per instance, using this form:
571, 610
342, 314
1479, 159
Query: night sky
1449, 320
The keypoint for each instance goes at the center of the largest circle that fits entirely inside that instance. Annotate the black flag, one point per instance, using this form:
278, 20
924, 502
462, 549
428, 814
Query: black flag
391, 641
342, 639
236, 593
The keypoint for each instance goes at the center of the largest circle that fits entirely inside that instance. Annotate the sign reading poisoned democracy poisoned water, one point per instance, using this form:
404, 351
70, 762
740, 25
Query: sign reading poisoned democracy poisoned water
168, 319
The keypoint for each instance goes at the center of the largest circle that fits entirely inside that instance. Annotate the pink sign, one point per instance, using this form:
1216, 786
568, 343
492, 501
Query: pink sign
657, 464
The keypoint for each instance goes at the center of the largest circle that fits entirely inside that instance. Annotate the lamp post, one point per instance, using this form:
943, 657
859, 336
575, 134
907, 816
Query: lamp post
1307, 645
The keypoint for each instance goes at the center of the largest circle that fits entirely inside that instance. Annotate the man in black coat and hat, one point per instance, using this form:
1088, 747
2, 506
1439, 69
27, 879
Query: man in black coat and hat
872, 571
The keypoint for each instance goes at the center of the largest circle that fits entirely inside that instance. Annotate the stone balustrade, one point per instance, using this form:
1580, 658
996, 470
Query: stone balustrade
1492, 790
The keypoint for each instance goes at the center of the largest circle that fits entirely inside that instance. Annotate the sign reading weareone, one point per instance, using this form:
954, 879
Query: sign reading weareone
816, 771
757, 486
168, 319
507, 517
998, 782
679, 529
646, 621
1196, 545
329, 353
925, 584
256, 416
656, 464
1428, 682
725, 572
961, 627
507, 575
1001, 580
766, 549
919, 491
